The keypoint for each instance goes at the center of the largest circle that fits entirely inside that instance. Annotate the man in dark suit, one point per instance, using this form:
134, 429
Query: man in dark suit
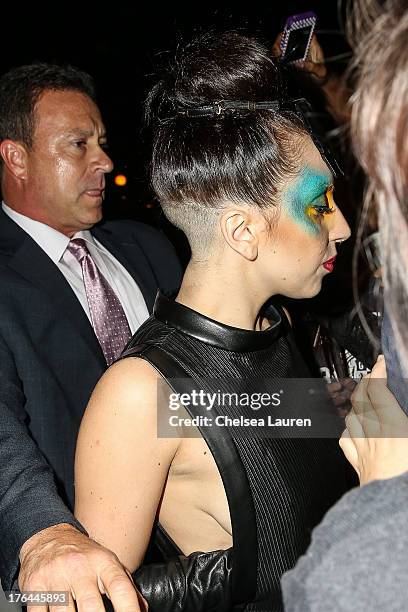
52, 347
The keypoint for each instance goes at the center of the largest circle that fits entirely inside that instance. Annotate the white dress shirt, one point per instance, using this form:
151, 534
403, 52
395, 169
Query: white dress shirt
54, 244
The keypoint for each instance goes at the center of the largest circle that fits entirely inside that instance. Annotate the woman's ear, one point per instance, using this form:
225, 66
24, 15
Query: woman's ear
240, 229
14, 157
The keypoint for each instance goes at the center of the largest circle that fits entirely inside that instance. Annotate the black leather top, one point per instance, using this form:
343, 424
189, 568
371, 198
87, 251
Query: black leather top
213, 332
277, 489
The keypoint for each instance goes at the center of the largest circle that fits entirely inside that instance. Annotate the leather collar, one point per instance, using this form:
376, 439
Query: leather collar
212, 332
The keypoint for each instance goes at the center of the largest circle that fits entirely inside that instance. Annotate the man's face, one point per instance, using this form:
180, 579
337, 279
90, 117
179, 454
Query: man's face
67, 163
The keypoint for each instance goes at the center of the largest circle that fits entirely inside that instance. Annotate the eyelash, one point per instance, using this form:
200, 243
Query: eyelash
325, 209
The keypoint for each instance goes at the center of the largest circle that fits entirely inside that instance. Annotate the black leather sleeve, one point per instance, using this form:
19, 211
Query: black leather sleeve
200, 582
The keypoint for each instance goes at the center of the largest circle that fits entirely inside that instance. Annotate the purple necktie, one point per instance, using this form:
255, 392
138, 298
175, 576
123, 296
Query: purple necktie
108, 317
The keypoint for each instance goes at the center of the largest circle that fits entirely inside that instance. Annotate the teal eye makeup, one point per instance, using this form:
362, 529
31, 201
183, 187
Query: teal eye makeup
309, 200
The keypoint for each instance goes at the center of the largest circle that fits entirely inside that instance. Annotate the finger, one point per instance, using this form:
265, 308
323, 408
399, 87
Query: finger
37, 608
364, 410
391, 417
144, 606
276, 49
67, 608
279, 38
342, 411
47, 591
349, 384
350, 452
120, 589
318, 70
316, 51
359, 398
37, 588
380, 369
354, 426
346, 395
87, 596
339, 400
334, 386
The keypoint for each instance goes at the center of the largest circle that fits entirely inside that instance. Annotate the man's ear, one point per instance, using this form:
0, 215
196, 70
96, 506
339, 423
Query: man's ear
14, 155
240, 228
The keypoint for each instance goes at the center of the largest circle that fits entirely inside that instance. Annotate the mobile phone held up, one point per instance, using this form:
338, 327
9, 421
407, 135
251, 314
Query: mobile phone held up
297, 36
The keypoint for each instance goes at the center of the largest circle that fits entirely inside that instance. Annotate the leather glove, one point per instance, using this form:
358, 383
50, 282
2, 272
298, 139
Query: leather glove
200, 582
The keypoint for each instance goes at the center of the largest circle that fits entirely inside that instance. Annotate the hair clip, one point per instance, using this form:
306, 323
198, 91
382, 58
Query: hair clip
218, 108
299, 106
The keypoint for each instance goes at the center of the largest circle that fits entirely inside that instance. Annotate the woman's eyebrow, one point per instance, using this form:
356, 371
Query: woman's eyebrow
322, 182
312, 183
324, 189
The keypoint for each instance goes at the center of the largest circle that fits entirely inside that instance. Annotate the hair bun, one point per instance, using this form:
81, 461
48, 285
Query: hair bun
214, 67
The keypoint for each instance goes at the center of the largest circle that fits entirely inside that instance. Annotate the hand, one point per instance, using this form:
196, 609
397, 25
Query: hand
341, 391
376, 439
314, 64
61, 558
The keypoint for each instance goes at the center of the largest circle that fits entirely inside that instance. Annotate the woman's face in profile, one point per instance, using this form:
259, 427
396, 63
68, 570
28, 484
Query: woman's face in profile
300, 249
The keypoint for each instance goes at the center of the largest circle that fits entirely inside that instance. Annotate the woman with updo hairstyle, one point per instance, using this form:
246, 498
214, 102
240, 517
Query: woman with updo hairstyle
230, 502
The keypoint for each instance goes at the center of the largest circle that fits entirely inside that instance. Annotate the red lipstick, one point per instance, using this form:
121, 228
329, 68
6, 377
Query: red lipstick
329, 264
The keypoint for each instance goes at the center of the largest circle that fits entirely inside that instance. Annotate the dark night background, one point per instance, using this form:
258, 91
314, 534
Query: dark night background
122, 45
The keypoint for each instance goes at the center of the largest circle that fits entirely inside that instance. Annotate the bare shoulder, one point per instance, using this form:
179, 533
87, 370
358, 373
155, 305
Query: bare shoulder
132, 367
123, 412
133, 377
127, 390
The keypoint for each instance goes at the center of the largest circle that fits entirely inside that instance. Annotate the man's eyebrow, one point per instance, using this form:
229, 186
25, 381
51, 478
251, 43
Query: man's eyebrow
78, 132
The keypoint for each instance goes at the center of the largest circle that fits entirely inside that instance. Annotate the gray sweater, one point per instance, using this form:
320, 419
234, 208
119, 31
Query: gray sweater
358, 558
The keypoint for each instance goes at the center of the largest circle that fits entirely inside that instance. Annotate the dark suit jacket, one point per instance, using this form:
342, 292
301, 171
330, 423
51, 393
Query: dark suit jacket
50, 361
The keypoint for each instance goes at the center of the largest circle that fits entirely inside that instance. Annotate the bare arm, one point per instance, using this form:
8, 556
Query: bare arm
121, 465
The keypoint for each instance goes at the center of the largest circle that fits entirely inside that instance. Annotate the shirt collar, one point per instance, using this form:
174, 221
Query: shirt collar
53, 242
87, 236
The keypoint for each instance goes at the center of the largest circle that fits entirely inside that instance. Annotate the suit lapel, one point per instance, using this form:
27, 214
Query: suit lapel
26, 258
31, 262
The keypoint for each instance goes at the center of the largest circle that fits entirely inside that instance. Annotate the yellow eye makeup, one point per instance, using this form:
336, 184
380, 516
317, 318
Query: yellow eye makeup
309, 199
323, 205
